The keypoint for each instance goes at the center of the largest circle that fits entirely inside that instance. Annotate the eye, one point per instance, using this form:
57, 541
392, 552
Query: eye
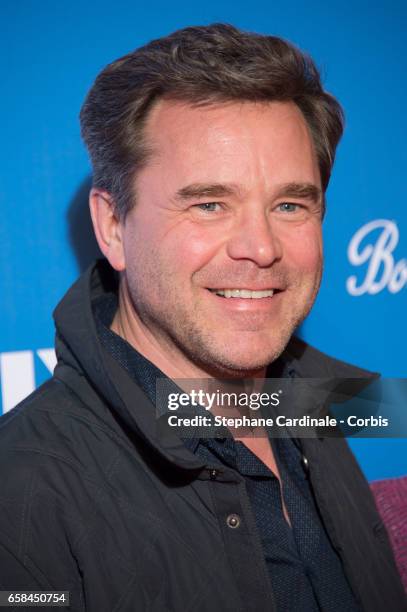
208, 206
289, 207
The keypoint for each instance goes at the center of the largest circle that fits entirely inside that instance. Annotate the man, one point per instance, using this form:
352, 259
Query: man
212, 151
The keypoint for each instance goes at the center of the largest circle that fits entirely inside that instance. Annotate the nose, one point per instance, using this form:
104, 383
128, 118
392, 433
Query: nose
254, 239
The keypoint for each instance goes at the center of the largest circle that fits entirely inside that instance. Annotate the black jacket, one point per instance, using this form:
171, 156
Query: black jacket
96, 502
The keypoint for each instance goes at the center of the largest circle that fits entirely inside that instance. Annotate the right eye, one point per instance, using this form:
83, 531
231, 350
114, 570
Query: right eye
207, 206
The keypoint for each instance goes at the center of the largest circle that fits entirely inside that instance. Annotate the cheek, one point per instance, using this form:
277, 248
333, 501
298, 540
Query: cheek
303, 249
192, 247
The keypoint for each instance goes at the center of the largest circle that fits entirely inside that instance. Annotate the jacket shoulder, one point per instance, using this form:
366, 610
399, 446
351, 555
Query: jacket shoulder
54, 430
312, 362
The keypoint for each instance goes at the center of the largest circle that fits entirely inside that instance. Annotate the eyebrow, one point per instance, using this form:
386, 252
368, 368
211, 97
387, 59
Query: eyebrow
207, 190
307, 191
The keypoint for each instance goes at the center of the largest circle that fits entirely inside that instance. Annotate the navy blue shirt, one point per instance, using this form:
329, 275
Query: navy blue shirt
305, 571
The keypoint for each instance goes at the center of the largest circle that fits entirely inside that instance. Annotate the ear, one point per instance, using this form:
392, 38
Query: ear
108, 228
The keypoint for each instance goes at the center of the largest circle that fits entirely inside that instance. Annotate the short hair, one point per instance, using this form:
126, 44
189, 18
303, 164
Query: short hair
200, 65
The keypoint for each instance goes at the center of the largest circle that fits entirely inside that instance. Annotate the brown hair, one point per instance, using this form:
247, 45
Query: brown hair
201, 65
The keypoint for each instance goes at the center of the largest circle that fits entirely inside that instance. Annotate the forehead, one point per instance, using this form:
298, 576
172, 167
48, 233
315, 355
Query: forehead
219, 141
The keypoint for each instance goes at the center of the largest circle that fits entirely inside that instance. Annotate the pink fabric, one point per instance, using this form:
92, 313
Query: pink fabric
391, 501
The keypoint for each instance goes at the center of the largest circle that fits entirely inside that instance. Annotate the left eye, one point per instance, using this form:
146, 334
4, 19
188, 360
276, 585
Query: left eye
208, 206
288, 207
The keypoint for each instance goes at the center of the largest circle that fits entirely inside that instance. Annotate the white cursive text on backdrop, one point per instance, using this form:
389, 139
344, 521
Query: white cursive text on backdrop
382, 269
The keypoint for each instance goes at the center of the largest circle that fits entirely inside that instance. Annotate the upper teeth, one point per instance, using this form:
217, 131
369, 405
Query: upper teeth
243, 293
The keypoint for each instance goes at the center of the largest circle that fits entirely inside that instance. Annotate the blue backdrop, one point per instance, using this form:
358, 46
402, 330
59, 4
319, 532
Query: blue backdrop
51, 52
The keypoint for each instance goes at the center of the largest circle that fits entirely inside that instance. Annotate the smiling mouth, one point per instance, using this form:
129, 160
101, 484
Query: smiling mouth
247, 294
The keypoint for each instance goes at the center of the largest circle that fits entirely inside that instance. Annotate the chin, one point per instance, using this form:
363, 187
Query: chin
243, 360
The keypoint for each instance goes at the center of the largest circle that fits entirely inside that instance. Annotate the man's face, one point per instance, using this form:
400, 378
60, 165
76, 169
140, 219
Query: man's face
225, 207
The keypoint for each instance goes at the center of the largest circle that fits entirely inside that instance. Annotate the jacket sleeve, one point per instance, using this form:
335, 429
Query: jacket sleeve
35, 532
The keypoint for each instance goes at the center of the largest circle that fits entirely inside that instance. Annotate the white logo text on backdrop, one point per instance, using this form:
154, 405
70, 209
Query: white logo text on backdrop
17, 371
382, 271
